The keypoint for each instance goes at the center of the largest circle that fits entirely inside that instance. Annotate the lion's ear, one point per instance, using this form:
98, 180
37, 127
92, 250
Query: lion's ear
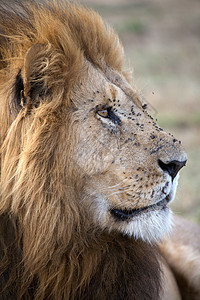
31, 78
32, 68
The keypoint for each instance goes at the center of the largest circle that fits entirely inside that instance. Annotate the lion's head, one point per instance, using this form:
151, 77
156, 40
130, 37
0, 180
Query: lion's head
75, 132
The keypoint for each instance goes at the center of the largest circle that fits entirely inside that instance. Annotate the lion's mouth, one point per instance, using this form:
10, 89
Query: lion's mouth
126, 214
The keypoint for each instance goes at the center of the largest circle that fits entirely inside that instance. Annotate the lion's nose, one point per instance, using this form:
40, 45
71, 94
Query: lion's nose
172, 168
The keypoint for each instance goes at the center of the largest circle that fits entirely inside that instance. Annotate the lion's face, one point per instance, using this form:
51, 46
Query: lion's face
129, 165
72, 110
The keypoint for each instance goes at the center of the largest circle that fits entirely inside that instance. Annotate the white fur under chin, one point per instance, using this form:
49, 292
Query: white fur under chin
151, 226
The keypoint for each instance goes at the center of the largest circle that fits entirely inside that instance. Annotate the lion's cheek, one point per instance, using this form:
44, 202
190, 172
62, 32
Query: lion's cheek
92, 162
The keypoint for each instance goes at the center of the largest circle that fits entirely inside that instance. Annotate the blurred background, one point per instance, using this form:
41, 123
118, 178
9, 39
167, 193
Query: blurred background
162, 45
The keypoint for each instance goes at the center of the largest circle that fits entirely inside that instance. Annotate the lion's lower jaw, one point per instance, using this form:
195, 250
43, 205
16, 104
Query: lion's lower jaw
151, 227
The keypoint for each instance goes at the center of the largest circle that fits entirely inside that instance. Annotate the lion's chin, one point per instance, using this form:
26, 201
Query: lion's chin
150, 226
149, 223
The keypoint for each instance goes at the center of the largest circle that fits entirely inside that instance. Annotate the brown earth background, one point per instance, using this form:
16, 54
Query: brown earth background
161, 39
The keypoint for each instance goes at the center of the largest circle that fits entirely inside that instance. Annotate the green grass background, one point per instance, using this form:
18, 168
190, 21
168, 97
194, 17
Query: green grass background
162, 46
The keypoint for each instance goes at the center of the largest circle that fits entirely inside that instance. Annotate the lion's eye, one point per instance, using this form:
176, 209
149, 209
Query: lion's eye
103, 113
108, 113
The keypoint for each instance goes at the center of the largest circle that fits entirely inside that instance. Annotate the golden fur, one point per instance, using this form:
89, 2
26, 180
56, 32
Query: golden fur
60, 162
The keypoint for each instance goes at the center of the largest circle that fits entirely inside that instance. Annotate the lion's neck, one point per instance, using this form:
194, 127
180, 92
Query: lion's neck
119, 260
94, 266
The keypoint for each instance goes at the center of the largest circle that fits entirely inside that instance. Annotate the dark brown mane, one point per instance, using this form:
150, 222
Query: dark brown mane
115, 267
48, 249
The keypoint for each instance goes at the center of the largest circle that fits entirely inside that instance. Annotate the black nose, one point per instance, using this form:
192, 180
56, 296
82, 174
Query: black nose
172, 167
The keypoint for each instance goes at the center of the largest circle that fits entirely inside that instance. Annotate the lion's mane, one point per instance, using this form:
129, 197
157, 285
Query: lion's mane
48, 251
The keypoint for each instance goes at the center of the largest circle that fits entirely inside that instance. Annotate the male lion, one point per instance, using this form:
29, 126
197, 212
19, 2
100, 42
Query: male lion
86, 173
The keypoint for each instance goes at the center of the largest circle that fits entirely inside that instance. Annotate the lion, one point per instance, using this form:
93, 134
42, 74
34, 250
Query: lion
86, 173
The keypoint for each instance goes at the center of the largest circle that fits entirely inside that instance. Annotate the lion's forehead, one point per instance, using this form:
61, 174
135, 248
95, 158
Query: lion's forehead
94, 88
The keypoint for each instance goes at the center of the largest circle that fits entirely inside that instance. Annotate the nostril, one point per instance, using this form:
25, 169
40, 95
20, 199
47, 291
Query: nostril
172, 168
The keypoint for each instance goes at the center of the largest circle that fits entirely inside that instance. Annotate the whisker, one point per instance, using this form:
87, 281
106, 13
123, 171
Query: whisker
114, 186
125, 187
116, 193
